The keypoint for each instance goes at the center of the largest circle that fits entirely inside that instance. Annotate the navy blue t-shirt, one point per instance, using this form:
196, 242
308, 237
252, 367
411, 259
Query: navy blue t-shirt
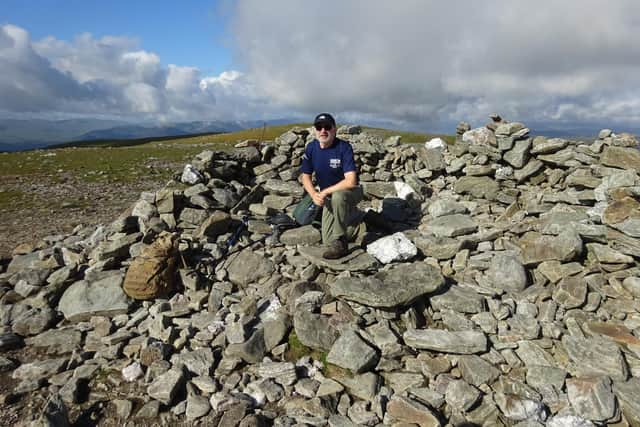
329, 164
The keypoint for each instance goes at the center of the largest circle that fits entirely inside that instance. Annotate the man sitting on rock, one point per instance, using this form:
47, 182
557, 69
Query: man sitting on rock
336, 175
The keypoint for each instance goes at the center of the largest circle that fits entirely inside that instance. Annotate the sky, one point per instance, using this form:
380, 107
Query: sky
413, 64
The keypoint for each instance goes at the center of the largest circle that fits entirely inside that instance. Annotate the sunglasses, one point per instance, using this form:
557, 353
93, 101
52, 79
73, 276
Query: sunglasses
319, 127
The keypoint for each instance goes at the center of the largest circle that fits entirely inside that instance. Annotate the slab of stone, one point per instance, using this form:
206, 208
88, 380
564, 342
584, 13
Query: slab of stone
459, 299
519, 409
595, 356
519, 154
166, 386
481, 136
356, 260
216, 224
532, 167
460, 342
571, 292
197, 407
628, 394
39, 369
314, 330
105, 297
411, 411
252, 350
351, 352
398, 286
461, 396
614, 331
592, 397
305, 235
199, 362
477, 371
441, 248
400, 381
537, 248
452, 225
396, 247
481, 187
507, 273
33, 321
442, 207
248, 267
621, 157
605, 254
284, 188
363, 386
542, 145
539, 376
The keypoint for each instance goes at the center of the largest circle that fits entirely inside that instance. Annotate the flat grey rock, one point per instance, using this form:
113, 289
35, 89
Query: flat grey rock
199, 362
33, 321
398, 286
314, 330
305, 235
284, 188
197, 407
356, 260
248, 267
411, 411
628, 394
461, 396
57, 341
442, 207
102, 298
40, 369
481, 187
462, 342
537, 248
352, 352
166, 386
252, 350
477, 371
452, 225
592, 398
459, 299
596, 356
507, 273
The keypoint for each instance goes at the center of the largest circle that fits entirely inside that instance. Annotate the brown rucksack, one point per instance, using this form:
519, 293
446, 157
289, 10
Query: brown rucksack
152, 273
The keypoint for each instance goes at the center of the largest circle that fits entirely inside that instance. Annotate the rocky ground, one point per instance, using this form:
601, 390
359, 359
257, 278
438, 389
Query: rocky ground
501, 290
97, 203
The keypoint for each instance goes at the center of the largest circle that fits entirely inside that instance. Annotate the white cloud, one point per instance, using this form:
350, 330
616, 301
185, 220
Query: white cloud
435, 62
112, 76
419, 63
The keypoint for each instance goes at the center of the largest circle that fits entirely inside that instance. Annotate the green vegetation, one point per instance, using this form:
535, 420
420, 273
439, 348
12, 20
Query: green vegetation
297, 350
129, 161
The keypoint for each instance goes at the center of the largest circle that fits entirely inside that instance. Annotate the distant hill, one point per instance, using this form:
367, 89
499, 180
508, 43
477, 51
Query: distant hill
17, 135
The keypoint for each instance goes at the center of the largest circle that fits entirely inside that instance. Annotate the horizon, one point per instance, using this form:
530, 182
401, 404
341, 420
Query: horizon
247, 61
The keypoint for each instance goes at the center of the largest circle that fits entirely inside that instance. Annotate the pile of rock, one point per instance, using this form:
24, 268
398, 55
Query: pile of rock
508, 294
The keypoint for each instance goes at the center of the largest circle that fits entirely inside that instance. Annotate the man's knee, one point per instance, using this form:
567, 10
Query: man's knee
340, 197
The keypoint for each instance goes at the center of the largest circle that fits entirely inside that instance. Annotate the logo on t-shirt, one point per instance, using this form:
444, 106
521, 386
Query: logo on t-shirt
334, 163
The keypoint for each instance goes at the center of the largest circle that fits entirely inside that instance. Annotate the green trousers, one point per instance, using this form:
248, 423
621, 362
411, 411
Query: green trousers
341, 217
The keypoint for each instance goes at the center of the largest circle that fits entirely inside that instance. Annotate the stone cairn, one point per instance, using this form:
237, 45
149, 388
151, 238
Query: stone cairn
508, 294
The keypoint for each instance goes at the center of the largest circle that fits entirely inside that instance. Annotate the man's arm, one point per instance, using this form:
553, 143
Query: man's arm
307, 183
350, 181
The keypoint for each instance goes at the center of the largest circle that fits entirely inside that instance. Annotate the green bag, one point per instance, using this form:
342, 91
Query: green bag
306, 211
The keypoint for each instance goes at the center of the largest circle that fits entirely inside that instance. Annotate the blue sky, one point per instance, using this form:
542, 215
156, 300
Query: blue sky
190, 33
420, 65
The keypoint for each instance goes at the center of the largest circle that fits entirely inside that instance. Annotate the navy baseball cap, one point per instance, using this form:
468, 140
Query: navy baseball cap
324, 118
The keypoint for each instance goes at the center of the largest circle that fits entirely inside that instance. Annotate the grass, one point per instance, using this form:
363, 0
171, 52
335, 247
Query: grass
297, 350
120, 161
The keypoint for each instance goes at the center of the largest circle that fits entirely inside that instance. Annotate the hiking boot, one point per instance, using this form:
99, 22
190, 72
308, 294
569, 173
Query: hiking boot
336, 249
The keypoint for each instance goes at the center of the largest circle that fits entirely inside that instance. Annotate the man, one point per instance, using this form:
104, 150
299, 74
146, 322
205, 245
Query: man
337, 177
